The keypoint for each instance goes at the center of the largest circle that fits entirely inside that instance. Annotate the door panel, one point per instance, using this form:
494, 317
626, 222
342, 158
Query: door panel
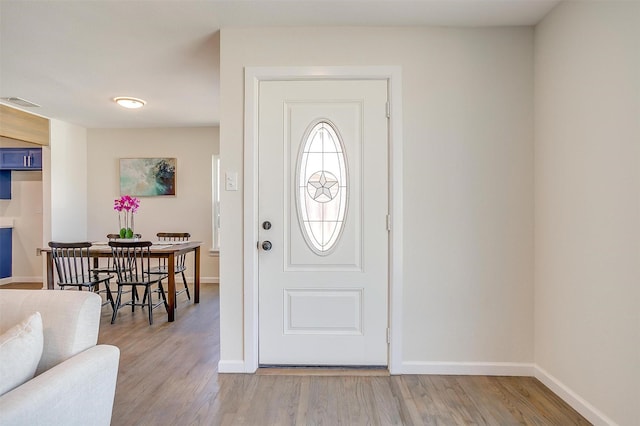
305, 311
323, 185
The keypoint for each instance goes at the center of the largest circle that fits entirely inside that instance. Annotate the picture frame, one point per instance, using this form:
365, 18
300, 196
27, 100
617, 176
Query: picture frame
148, 177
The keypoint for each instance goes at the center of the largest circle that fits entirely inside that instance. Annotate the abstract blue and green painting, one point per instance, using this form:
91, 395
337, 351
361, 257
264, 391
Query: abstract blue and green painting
148, 177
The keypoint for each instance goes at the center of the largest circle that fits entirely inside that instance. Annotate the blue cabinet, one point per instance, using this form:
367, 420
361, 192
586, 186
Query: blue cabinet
5, 184
20, 158
5, 252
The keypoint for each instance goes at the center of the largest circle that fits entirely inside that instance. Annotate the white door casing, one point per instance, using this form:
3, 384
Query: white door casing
253, 77
323, 185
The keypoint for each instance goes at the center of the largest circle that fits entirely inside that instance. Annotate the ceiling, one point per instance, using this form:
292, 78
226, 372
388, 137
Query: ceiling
73, 57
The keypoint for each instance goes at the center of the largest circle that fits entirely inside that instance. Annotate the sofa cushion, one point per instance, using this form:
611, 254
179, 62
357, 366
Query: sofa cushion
20, 352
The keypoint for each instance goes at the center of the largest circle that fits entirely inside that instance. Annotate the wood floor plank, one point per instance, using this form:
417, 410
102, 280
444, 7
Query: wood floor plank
303, 401
546, 403
516, 403
482, 391
22, 286
452, 402
322, 402
386, 402
408, 409
169, 376
357, 402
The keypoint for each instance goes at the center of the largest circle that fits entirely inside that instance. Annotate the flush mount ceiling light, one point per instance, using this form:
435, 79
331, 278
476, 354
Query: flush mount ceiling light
128, 102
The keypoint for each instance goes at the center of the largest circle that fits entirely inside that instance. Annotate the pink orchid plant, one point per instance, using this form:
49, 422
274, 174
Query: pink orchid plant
129, 205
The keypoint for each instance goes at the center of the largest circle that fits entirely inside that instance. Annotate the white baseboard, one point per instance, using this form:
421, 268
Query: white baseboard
468, 368
14, 279
587, 410
231, 366
205, 280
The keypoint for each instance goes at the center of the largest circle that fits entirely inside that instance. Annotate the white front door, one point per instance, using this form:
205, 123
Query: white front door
323, 206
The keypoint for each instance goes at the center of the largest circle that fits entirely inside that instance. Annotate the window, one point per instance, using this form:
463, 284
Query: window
322, 186
215, 185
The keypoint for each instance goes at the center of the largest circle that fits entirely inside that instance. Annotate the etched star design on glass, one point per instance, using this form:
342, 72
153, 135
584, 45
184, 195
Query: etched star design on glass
323, 186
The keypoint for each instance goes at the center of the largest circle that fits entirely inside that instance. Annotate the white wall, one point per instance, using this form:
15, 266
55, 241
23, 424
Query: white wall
587, 207
188, 211
68, 144
468, 173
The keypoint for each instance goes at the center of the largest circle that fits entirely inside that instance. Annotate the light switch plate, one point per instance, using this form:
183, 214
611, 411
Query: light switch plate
231, 181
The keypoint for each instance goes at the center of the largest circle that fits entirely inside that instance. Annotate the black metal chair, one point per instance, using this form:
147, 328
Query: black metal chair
73, 267
180, 267
132, 260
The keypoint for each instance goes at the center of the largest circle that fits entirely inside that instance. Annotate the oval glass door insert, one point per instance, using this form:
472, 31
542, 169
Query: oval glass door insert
322, 187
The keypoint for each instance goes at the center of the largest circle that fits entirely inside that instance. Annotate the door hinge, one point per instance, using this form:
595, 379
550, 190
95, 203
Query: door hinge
388, 109
388, 336
388, 222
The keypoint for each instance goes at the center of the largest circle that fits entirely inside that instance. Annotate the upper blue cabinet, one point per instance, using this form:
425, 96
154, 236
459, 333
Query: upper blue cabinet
20, 158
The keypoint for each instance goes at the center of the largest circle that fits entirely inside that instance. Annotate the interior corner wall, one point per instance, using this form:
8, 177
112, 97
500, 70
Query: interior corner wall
468, 180
189, 211
587, 206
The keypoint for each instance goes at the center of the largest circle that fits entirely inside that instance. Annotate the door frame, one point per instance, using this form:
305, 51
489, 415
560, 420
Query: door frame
252, 78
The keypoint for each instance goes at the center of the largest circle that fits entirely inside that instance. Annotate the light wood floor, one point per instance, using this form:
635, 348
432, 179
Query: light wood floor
168, 376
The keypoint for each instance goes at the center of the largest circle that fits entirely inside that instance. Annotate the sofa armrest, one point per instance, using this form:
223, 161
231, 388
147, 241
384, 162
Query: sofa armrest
78, 391
70, 320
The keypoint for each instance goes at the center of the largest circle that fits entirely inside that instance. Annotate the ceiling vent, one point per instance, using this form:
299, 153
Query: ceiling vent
22, 102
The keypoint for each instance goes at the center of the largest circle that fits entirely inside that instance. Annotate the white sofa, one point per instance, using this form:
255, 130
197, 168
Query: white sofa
75, 379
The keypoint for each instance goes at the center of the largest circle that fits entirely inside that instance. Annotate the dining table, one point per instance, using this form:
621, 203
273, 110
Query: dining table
168, 250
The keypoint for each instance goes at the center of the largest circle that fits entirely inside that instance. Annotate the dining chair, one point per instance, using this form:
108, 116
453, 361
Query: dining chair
73, 267
132, 260
180, 265
110, 268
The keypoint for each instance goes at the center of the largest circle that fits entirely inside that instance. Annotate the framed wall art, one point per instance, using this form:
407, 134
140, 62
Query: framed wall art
148, 177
